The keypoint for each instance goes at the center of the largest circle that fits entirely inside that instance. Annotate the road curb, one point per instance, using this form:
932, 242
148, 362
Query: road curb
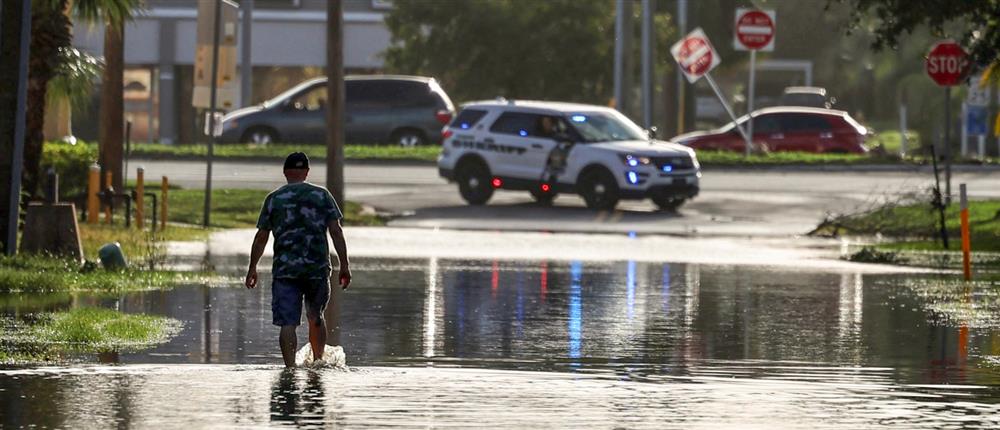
962, 168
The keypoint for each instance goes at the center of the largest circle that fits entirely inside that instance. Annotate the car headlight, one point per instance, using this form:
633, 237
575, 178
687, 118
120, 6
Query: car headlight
633, 161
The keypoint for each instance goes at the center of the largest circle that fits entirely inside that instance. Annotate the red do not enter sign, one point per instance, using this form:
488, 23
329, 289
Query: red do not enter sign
947, 63
754, 29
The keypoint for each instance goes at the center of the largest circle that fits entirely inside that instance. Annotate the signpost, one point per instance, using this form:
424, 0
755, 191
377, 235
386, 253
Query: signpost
753, 31
974, 115
696, 57
214, 72
947, 64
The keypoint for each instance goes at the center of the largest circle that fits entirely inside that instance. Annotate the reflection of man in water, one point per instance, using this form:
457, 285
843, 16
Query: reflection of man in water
301, 406
300, 214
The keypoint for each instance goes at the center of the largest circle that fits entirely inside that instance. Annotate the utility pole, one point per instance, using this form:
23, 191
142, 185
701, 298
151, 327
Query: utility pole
112, 122
246, 62
682, 12
623, 55
335, 93
648, 7
15, 37
217, 16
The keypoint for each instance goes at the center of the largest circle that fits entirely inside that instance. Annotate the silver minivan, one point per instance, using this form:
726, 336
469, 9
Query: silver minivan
401, 110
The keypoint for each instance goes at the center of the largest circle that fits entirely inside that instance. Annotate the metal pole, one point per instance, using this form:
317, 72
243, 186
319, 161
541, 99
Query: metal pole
246, 64
966, 244
729, 110
681, 29
211, 109
902, 131
964, 145
647, 63
750, 90
128, 146
947, 146
619, 53
17, 158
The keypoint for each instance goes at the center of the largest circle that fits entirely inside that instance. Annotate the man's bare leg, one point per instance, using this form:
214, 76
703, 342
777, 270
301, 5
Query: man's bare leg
317, 336
288, 343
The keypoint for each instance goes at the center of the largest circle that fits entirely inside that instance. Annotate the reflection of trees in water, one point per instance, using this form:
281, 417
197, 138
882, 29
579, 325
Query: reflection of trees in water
297, 396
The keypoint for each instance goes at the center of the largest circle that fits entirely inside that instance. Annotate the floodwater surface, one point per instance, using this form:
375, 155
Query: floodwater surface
460, 343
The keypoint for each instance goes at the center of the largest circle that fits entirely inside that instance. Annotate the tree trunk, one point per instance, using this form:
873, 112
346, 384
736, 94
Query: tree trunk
50, 32
335, 90
112, 109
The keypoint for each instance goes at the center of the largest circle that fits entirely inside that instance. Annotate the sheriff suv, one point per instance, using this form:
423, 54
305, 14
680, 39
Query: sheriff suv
547, 148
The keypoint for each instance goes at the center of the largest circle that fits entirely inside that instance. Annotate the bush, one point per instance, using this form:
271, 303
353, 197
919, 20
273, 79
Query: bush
71, 162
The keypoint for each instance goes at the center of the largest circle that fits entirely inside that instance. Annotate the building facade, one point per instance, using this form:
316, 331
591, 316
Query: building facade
288, 45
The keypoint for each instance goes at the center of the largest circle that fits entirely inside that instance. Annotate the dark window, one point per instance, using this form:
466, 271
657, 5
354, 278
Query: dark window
365, 94
803, 123
766, 124
467, 118
529, 125
389, 93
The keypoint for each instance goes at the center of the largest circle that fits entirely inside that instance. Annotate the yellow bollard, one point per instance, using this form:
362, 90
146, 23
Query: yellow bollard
111, 201
966, 243
164, 186
93, 187
140, 210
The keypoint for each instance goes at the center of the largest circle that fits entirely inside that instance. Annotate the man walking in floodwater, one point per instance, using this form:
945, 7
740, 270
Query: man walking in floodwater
300, 214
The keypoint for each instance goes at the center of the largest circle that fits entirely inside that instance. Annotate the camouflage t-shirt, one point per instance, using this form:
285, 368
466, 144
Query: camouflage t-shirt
298, 214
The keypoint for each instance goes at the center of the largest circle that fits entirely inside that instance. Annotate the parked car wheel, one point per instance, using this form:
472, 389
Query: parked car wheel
599, 190
408, 138
260, 136
474, 182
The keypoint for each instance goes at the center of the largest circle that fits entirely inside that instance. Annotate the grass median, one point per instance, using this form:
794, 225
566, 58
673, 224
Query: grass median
241, 151
910, 233
50, 336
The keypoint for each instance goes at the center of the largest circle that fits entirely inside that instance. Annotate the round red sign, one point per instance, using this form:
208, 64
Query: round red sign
947, 63
695, 56
754, 29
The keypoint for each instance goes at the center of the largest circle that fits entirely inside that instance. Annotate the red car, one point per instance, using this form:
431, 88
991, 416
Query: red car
787, 128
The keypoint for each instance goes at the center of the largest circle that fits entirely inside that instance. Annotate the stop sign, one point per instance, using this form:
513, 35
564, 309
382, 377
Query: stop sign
695, 55
947, 63
754, 29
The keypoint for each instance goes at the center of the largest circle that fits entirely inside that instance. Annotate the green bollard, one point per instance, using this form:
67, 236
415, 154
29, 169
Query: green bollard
112, 257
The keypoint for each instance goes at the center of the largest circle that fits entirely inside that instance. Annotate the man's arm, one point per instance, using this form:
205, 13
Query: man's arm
256, 251
340, 245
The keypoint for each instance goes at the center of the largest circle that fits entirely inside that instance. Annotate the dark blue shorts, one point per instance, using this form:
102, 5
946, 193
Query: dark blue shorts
287, 295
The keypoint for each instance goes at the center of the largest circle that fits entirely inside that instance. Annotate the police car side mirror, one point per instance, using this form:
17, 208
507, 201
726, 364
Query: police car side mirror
651, 132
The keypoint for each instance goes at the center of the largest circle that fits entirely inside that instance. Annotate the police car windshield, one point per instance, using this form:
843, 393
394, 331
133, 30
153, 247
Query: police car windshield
604, 127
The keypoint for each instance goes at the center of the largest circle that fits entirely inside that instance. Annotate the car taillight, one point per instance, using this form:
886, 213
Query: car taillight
443, 116
446, 133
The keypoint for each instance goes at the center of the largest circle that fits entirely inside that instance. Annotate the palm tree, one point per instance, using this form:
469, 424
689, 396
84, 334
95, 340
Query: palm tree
51, 37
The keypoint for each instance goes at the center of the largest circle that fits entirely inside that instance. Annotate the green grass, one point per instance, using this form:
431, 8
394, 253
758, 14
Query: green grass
40, 274
425, 153
138, 246
736, 159
891, 141
910, 234
46, 337
239, 208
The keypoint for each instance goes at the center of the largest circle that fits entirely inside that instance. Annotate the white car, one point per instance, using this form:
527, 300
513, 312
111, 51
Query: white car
549, 148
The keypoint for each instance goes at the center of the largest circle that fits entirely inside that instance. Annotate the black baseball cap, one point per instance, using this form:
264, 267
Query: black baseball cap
296, 160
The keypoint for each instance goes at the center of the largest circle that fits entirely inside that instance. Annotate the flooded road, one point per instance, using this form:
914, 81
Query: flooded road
563, 344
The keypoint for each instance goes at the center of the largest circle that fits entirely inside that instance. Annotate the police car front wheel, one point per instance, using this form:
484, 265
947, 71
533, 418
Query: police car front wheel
667, 203
599, 190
